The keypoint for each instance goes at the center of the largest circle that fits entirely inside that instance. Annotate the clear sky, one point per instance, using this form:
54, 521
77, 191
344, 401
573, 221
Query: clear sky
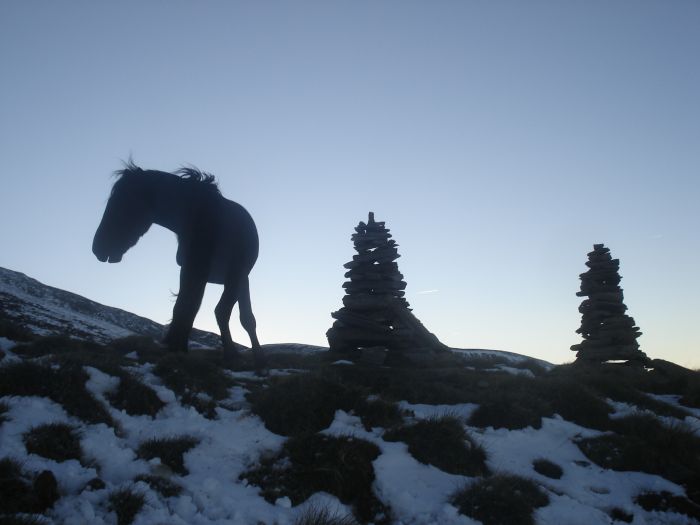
498, 139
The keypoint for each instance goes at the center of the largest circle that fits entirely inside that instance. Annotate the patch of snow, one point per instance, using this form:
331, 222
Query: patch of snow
463, 410
515, 371
587, 488
7, 344
501, 354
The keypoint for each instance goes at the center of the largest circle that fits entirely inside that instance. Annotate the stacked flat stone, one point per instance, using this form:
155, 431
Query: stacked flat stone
609, 334
375, 312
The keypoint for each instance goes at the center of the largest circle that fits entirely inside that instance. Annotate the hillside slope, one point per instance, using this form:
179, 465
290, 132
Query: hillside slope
123, 432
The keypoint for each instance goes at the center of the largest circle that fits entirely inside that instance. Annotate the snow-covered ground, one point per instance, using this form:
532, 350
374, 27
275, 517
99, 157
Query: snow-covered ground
229, 445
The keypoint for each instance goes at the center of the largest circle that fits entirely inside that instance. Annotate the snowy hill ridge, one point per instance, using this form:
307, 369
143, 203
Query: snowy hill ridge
47, 310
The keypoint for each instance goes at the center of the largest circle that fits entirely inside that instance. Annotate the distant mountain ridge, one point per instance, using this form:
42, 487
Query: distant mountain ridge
46, 310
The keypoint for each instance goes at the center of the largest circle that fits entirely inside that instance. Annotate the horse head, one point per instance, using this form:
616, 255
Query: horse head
128, 215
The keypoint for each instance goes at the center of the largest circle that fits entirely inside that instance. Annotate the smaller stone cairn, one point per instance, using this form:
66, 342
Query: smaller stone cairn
608, 333
375, 316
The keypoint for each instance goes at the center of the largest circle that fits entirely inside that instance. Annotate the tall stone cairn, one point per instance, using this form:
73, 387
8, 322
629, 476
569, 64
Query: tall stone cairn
609, 334
375, 313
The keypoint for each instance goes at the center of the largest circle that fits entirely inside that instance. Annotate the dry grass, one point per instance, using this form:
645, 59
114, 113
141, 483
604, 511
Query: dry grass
444, 443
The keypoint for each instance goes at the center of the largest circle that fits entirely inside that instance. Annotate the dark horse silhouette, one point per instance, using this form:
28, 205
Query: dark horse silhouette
217, 243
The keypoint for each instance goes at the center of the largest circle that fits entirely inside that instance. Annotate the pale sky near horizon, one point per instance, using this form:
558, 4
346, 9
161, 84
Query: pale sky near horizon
499, 140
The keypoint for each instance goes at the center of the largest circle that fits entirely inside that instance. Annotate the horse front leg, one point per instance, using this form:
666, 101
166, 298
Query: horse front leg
192, 283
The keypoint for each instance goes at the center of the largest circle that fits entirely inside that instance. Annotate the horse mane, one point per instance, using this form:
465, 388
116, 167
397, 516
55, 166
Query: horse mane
186, 174
193, 174
129, 167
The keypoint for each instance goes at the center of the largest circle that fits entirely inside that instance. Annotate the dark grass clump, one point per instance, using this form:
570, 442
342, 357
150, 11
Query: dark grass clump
691, 398
64, 385
618, 514
163, 486
24, 492
12, 330
547, 468
169, 450
57, 441
515, 402
141, 344
642, 443
629, 384
443, 443
378, 413
433, 386
284, 360
307, 464
518, 402
22, 520
507, 410
501, 499
196, 379
126, 503
575, 402
667, 502
54, 345
134, 397
303, 403
4, 409
323, 516
15, 490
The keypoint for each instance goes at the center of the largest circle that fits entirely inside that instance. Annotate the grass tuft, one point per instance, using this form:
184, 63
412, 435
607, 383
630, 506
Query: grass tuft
163, 486
378, 413
57, 441
22, 520
169, 450
10, 329
4, 409
444, 443
547, 468
15, 491
307, 464
618, 514
23, 492
54, 345
322, 516
197, 381
300, 404
126, 503
134, 397
64, 385
136, 343
501, 499
643, 443
667, 502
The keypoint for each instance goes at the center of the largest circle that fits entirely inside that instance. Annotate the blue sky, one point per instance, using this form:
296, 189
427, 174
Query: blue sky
498, 140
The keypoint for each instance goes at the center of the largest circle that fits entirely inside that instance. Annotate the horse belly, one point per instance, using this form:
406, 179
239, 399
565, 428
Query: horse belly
225, 260
236, 245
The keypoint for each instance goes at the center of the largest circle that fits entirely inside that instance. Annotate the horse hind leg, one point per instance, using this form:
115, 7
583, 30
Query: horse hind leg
223, 315
249, 324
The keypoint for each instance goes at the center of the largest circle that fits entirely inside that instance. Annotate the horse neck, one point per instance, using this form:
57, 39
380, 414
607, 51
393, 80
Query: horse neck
172, 202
